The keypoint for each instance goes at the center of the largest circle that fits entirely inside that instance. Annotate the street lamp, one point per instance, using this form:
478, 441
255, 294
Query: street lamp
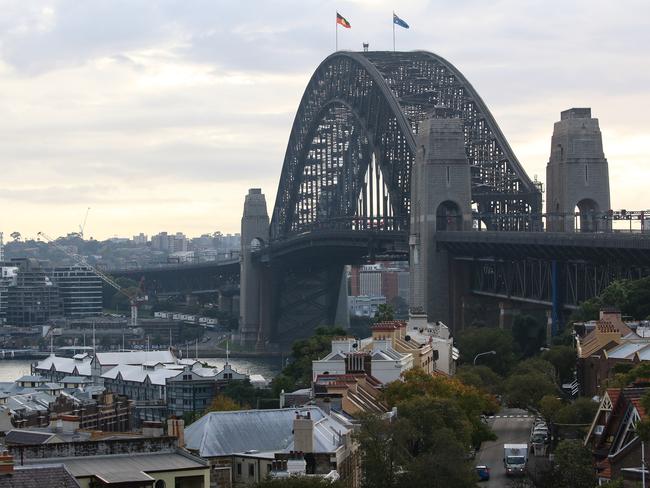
483, 354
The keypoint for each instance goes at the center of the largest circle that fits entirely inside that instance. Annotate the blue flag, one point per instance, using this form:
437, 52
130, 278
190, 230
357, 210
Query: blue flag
400, 22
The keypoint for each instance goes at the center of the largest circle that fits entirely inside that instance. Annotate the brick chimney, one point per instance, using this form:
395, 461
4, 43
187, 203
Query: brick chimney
176, 428
303, 432
6, 463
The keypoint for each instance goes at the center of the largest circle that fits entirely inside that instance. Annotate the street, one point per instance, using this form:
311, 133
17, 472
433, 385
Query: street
512, 426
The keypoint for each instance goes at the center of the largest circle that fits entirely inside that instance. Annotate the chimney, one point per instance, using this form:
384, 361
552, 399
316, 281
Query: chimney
6, 462
176, 428
69, 423
303, 432
152, 429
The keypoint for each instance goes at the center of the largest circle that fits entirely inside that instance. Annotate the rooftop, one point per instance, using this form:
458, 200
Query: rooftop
39, 476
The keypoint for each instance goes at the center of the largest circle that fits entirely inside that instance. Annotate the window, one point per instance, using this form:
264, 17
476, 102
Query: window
251, 470
239, 469
159, 484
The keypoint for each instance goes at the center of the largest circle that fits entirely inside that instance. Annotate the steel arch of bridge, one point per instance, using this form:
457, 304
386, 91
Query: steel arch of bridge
352, 144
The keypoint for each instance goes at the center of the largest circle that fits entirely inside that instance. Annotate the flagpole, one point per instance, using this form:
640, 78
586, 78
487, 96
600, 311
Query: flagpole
393, 19
337, 33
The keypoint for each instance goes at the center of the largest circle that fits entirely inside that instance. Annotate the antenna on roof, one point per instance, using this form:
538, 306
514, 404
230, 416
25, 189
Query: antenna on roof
227, 352
51, 341
94, 345
170, 339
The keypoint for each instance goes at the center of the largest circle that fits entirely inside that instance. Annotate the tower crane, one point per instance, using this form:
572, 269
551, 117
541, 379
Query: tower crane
135, 298
83, 225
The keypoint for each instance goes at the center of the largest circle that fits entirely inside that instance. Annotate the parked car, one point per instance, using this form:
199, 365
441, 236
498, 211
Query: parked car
483, 472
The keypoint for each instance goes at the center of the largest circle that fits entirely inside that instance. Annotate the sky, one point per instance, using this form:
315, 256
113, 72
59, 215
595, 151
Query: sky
159, 115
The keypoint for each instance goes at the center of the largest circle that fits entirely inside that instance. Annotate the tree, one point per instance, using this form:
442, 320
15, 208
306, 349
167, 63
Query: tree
572, 467
475, 340
385, 313
563, 358
480, 377
297, 373
580, 411
529, 334
529, 382
549, 405
223, 403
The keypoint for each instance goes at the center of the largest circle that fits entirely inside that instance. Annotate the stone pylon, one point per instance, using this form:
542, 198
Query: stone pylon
577, 175
254, 235
440, 201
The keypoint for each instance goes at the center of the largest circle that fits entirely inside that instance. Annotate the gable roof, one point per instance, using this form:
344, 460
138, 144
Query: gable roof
28, 437
224, 433
39, 477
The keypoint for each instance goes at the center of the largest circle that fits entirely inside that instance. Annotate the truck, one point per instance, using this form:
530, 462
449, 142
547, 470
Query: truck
515, 458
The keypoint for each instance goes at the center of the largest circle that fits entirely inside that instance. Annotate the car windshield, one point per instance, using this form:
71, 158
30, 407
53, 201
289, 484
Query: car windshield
515, 459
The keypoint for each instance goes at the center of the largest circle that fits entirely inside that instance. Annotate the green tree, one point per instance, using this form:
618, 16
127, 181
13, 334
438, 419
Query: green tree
475, 340
563, 359
297, 373
529, 334
480, 377
572, 467
580, 411
385, 313
529, 382
549, 405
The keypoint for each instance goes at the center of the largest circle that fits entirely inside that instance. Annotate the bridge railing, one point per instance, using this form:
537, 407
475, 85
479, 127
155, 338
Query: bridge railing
388, 224
617, 221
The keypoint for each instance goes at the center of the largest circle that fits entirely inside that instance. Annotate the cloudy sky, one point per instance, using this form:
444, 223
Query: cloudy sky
159, 115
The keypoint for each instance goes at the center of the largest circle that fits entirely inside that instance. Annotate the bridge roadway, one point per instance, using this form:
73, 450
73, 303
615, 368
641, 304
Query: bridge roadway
605, 247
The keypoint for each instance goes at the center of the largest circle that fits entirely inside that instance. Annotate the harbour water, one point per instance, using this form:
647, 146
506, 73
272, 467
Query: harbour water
11, 369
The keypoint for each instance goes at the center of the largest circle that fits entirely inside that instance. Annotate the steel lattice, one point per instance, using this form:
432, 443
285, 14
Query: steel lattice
352, 145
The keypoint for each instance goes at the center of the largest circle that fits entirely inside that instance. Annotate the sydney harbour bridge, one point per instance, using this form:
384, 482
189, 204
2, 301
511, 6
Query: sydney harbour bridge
394, 155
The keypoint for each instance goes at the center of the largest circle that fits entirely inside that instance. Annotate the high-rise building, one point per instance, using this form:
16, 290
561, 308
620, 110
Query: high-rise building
140, 239
34, 298
7, 279
80, 290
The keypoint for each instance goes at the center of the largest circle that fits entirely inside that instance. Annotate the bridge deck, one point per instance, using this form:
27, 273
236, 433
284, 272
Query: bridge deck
600, 247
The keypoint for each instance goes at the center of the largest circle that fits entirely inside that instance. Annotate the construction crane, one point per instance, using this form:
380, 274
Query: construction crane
83, 225
136, 298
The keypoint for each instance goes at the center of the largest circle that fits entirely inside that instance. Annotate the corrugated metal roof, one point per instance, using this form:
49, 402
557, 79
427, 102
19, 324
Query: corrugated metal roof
133, 463
625, 350
224, 433
135, 357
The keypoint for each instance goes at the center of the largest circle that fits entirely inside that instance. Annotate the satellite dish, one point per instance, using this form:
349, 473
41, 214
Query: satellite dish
407, 338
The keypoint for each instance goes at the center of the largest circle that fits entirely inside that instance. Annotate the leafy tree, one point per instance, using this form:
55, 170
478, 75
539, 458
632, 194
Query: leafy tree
223, 403
563, 358
573, 466
244, 393
580, 411
529, 382
297, 374
529, 334
382, 452
385, 313
549, 405
480, 377
475, 340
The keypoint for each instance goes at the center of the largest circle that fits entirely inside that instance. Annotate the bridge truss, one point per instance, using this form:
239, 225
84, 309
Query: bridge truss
349, 157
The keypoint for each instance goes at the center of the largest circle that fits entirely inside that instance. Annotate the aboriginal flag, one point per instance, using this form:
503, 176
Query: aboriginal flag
341, 20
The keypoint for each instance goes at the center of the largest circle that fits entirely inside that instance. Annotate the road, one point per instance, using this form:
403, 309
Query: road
512, 426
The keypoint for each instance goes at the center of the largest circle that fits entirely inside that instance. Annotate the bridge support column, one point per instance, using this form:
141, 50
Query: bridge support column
440, 201
577, 175
253, 294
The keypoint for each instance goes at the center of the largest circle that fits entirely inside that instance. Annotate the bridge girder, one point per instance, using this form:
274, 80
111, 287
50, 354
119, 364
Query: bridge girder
349, 156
